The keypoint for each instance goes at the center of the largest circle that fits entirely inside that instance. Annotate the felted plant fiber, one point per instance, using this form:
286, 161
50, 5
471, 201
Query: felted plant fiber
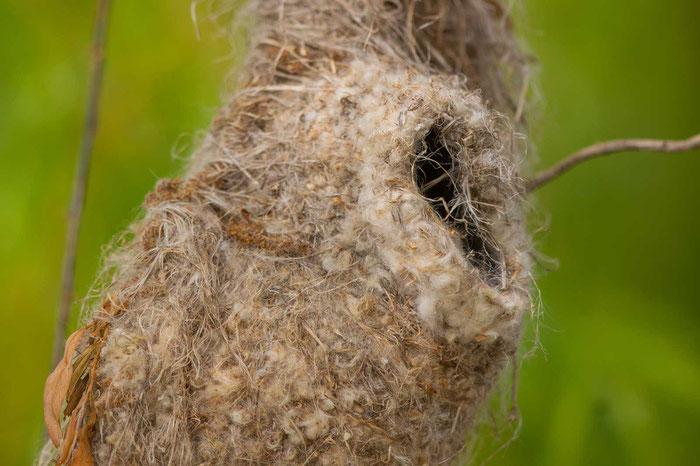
341, 274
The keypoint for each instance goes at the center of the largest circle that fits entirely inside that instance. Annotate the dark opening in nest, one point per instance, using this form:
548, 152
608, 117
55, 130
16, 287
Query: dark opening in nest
438, 179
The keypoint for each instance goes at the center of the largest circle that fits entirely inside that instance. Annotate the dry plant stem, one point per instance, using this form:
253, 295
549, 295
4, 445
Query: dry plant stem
80, 181
610, 147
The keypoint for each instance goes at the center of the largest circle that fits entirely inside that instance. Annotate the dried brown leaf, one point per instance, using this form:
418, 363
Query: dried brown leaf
76, 395
56, 388
80, 364
69, 436
82, 456
83, 452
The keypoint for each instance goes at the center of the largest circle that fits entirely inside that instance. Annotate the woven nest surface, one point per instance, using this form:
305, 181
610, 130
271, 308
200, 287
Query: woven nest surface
343, 271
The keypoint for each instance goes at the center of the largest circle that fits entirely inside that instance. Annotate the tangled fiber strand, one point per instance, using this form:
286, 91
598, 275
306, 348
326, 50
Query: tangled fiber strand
341, 274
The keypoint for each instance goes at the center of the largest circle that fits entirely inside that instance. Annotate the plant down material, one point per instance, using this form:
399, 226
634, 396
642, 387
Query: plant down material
343, 271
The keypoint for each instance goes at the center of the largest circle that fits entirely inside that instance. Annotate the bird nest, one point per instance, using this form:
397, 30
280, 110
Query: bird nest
343, 271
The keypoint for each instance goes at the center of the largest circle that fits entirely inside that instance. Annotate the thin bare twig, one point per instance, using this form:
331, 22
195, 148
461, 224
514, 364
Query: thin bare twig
80, 181
610, 147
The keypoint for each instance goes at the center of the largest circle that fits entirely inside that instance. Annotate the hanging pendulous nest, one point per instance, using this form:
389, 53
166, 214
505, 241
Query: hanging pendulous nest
342, 272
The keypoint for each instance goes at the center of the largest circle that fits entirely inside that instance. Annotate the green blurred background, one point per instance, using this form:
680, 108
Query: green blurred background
620, 380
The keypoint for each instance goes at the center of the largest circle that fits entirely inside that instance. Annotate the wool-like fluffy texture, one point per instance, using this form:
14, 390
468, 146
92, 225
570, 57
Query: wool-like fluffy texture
343, 272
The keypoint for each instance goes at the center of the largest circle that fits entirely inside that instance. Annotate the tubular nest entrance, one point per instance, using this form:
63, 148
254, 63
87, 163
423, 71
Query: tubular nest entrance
438, 177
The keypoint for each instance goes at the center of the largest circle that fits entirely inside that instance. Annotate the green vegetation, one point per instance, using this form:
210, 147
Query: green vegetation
620, 382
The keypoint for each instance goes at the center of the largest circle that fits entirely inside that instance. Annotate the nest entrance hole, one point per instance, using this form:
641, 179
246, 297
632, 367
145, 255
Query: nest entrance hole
437, 176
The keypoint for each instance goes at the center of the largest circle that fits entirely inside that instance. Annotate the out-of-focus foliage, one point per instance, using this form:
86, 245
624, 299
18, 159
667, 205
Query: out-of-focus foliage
621, 380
